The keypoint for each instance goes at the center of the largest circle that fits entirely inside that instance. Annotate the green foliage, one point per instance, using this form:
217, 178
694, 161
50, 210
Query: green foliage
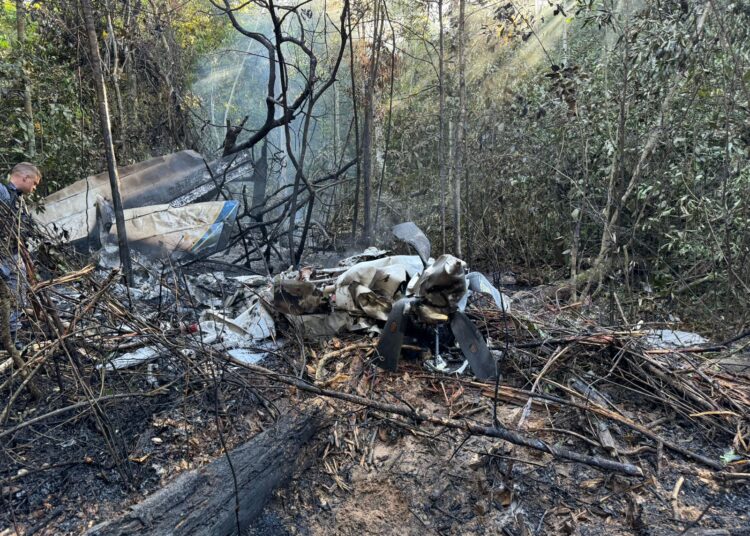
576, 118
199, 30
544, 146
148, 100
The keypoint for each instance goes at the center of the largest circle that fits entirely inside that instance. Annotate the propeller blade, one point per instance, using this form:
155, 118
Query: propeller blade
473, 346
392, 336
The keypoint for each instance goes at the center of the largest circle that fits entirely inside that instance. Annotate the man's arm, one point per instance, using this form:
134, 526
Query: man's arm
5, 200
4, 194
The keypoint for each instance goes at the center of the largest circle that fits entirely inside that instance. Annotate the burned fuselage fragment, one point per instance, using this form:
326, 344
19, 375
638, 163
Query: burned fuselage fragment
158, 221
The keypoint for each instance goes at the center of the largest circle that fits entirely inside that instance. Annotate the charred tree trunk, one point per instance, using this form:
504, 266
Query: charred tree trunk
205, 501
109, 150
260, 180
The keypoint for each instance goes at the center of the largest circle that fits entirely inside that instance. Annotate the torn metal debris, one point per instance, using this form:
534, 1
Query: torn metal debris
254, 324
670, 339
164, 368
409, 233
370, 288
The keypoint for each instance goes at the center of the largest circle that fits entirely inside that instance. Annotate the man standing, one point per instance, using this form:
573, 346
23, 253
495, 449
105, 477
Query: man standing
24, 178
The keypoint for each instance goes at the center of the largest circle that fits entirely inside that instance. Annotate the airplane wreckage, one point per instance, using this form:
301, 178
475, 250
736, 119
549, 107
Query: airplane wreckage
162, 217
419, 301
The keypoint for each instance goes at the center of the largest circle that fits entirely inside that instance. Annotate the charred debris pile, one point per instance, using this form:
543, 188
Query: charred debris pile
119, 389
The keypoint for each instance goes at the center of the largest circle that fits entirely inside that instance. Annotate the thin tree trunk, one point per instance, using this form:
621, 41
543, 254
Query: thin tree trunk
461, 132
451, 156
114, 180
565, 44
336, 116
132, 76
466, 204
260, 181
115, 74
212, 106
27, 108
441, 135
387, 140
368, 145
575, 245
356, 133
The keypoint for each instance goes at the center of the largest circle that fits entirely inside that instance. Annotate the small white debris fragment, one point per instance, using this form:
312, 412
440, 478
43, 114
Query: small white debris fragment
158, 469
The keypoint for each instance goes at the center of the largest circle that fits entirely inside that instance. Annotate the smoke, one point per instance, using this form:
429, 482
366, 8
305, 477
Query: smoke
231, 83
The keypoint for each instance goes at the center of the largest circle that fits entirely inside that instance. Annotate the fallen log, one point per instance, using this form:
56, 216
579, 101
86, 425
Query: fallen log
204, 501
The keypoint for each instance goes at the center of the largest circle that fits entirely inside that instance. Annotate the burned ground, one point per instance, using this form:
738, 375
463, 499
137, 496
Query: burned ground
379, 474
101, 440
